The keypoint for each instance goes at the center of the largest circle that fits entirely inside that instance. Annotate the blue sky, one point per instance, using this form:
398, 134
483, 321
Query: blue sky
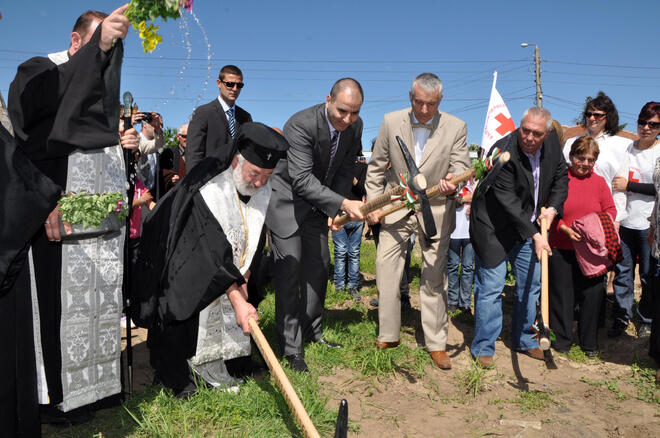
292, 51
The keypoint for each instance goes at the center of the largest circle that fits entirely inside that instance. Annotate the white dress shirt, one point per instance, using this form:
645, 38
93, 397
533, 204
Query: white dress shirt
421, 135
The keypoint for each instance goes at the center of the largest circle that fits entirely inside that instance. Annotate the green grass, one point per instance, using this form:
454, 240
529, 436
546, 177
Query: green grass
610, 384
472, 380
576, 354
368, 257
643, 379
532, 401
257, 410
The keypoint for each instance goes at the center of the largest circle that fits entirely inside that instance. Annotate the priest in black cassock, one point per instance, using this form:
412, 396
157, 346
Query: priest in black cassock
196, 250
26, 199
65, 112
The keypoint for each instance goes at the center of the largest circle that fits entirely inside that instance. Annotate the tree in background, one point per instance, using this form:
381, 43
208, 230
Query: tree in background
169, 135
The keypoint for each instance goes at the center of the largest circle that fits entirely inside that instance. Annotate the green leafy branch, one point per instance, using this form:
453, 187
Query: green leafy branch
89, 210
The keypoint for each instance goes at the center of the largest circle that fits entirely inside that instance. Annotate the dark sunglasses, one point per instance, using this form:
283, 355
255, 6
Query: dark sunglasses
183, 135
597, 116
652, 125
233, 84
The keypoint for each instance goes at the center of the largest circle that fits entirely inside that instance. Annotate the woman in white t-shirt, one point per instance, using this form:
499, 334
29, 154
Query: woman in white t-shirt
642, 155
601, 119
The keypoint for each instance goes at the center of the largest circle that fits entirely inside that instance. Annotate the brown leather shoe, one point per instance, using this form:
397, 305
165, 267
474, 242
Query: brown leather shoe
485, 361
385, 345
534, 353
441, 359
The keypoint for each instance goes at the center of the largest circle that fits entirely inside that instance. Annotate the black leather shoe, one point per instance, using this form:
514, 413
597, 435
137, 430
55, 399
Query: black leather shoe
51, 415
187, 392
297, 363
329, 344
373, 302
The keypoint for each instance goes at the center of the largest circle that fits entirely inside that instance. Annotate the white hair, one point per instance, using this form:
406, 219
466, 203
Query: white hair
537, 113
244, 188
429, 82
185, 125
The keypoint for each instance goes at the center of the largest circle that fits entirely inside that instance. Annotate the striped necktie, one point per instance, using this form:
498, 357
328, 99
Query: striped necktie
232, 121
334, 142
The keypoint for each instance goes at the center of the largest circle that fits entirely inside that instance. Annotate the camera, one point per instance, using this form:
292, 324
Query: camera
147, 117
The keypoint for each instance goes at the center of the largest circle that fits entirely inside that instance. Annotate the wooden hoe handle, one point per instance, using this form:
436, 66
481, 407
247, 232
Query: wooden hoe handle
283, 382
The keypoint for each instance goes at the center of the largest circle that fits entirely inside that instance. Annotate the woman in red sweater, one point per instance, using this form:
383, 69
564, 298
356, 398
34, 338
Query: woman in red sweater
587, 193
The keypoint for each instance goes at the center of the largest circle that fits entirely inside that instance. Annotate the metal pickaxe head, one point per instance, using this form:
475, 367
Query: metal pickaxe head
417, 185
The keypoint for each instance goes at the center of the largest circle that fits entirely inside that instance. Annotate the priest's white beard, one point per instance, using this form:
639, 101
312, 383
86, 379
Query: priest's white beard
244, 188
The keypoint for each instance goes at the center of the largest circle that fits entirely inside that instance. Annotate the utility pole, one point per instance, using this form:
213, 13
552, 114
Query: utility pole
537, 71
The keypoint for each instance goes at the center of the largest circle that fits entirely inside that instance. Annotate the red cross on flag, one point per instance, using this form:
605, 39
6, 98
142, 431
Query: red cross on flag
498, 119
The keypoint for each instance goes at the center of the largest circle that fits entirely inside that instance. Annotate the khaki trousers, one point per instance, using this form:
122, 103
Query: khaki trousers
390, 258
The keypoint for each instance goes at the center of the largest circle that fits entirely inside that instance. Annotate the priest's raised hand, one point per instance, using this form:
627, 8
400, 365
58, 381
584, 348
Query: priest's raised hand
113, 27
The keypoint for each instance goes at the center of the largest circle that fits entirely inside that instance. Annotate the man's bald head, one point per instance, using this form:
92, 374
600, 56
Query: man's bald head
346, 84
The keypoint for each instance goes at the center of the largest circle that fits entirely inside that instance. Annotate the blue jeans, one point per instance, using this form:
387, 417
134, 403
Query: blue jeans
347, 252
459, 292
635, 249
488, 300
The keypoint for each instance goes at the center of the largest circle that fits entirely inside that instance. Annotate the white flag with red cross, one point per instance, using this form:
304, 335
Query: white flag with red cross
498, 119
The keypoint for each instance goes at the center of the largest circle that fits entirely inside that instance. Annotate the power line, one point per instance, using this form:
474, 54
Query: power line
604, 84
602, 65
600, 74
316, 61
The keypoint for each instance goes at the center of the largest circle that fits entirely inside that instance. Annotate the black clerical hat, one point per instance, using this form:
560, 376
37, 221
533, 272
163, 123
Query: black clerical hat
261, 145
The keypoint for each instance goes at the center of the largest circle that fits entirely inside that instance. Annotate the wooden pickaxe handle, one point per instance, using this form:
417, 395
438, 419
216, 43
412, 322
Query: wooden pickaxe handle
430, 193
373, 205
283, 382
544, 340
435, 190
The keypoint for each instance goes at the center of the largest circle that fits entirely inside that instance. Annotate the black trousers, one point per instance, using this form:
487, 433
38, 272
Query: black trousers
570, 288
19, 405
654, 289
301, 279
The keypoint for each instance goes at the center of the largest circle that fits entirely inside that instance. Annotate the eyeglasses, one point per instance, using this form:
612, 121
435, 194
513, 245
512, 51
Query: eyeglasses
596, 116
233, 84
183, 135
583, 159
652, 125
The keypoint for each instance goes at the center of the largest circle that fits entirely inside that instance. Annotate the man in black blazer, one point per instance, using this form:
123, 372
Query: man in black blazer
310, 187
504, 226
213, 125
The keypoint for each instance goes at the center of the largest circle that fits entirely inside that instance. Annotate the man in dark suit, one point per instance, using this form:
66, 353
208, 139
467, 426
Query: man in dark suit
504, 226
310, 187
213, 125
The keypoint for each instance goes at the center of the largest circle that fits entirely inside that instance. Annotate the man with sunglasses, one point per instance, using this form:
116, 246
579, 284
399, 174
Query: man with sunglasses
504, 227
214, 125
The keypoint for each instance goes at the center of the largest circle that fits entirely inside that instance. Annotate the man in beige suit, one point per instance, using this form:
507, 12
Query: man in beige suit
437, 142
